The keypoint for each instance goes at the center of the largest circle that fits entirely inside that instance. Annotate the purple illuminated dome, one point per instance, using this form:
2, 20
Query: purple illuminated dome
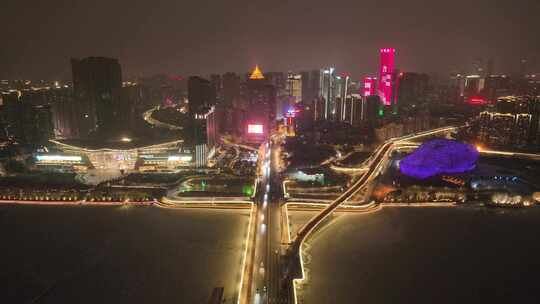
439, 156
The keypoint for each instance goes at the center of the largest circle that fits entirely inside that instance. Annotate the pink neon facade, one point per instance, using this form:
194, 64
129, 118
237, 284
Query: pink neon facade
369, 86
385, 74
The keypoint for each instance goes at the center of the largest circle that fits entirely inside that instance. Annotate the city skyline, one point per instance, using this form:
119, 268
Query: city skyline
237, 152
173, 38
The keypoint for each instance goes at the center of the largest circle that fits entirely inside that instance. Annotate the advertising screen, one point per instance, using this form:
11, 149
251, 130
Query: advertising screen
255, 129
49, 157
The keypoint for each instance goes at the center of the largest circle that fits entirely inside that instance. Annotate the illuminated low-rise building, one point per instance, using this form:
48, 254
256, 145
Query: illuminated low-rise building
124, 155
61, 162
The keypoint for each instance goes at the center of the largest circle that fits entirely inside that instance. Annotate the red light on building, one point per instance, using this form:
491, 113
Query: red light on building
477, 101
369, 86
255, 129
292, 112
291, 115
385, 75
176, 77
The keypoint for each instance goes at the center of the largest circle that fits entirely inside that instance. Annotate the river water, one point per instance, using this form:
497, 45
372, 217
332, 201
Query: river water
425, 255
118, 254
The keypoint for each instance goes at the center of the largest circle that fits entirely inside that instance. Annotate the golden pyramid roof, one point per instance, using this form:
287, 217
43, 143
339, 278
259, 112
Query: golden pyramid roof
256, 74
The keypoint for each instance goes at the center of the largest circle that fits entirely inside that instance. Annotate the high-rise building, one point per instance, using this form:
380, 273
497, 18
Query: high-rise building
64, 113
457, 87
231, 89
496, 86
473, 85
94, 80
352, 109
294, 86
319, 91
232, 106
387, 76
372, 109
341, 93
201, 96
478, 67
130, 102
28, 123
278, 80
261, 98
490, 65
370, 86
217, 85
328, 92
412, 89
212, 127
310, 86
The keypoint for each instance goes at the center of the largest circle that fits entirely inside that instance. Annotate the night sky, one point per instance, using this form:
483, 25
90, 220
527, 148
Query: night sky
215, 36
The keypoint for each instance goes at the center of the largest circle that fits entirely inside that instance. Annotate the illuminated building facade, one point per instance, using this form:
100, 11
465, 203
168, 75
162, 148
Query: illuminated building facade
341, 93
370, 86
386, 75
504, 129
201, 155
514, 121
473, 85
352, 109
319, 90
212, 127
166, 156
61, 162
255, 131
328, 92
294, 86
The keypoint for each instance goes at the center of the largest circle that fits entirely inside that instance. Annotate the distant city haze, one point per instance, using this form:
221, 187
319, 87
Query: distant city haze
204, 36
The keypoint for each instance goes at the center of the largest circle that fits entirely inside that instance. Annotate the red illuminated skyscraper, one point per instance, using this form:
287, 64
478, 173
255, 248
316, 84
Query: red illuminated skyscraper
370, 84
386, 75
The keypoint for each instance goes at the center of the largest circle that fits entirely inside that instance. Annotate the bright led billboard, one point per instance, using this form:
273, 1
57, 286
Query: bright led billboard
47, 158
255, 129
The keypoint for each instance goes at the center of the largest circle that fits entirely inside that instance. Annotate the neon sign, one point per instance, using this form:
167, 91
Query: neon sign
255, 129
